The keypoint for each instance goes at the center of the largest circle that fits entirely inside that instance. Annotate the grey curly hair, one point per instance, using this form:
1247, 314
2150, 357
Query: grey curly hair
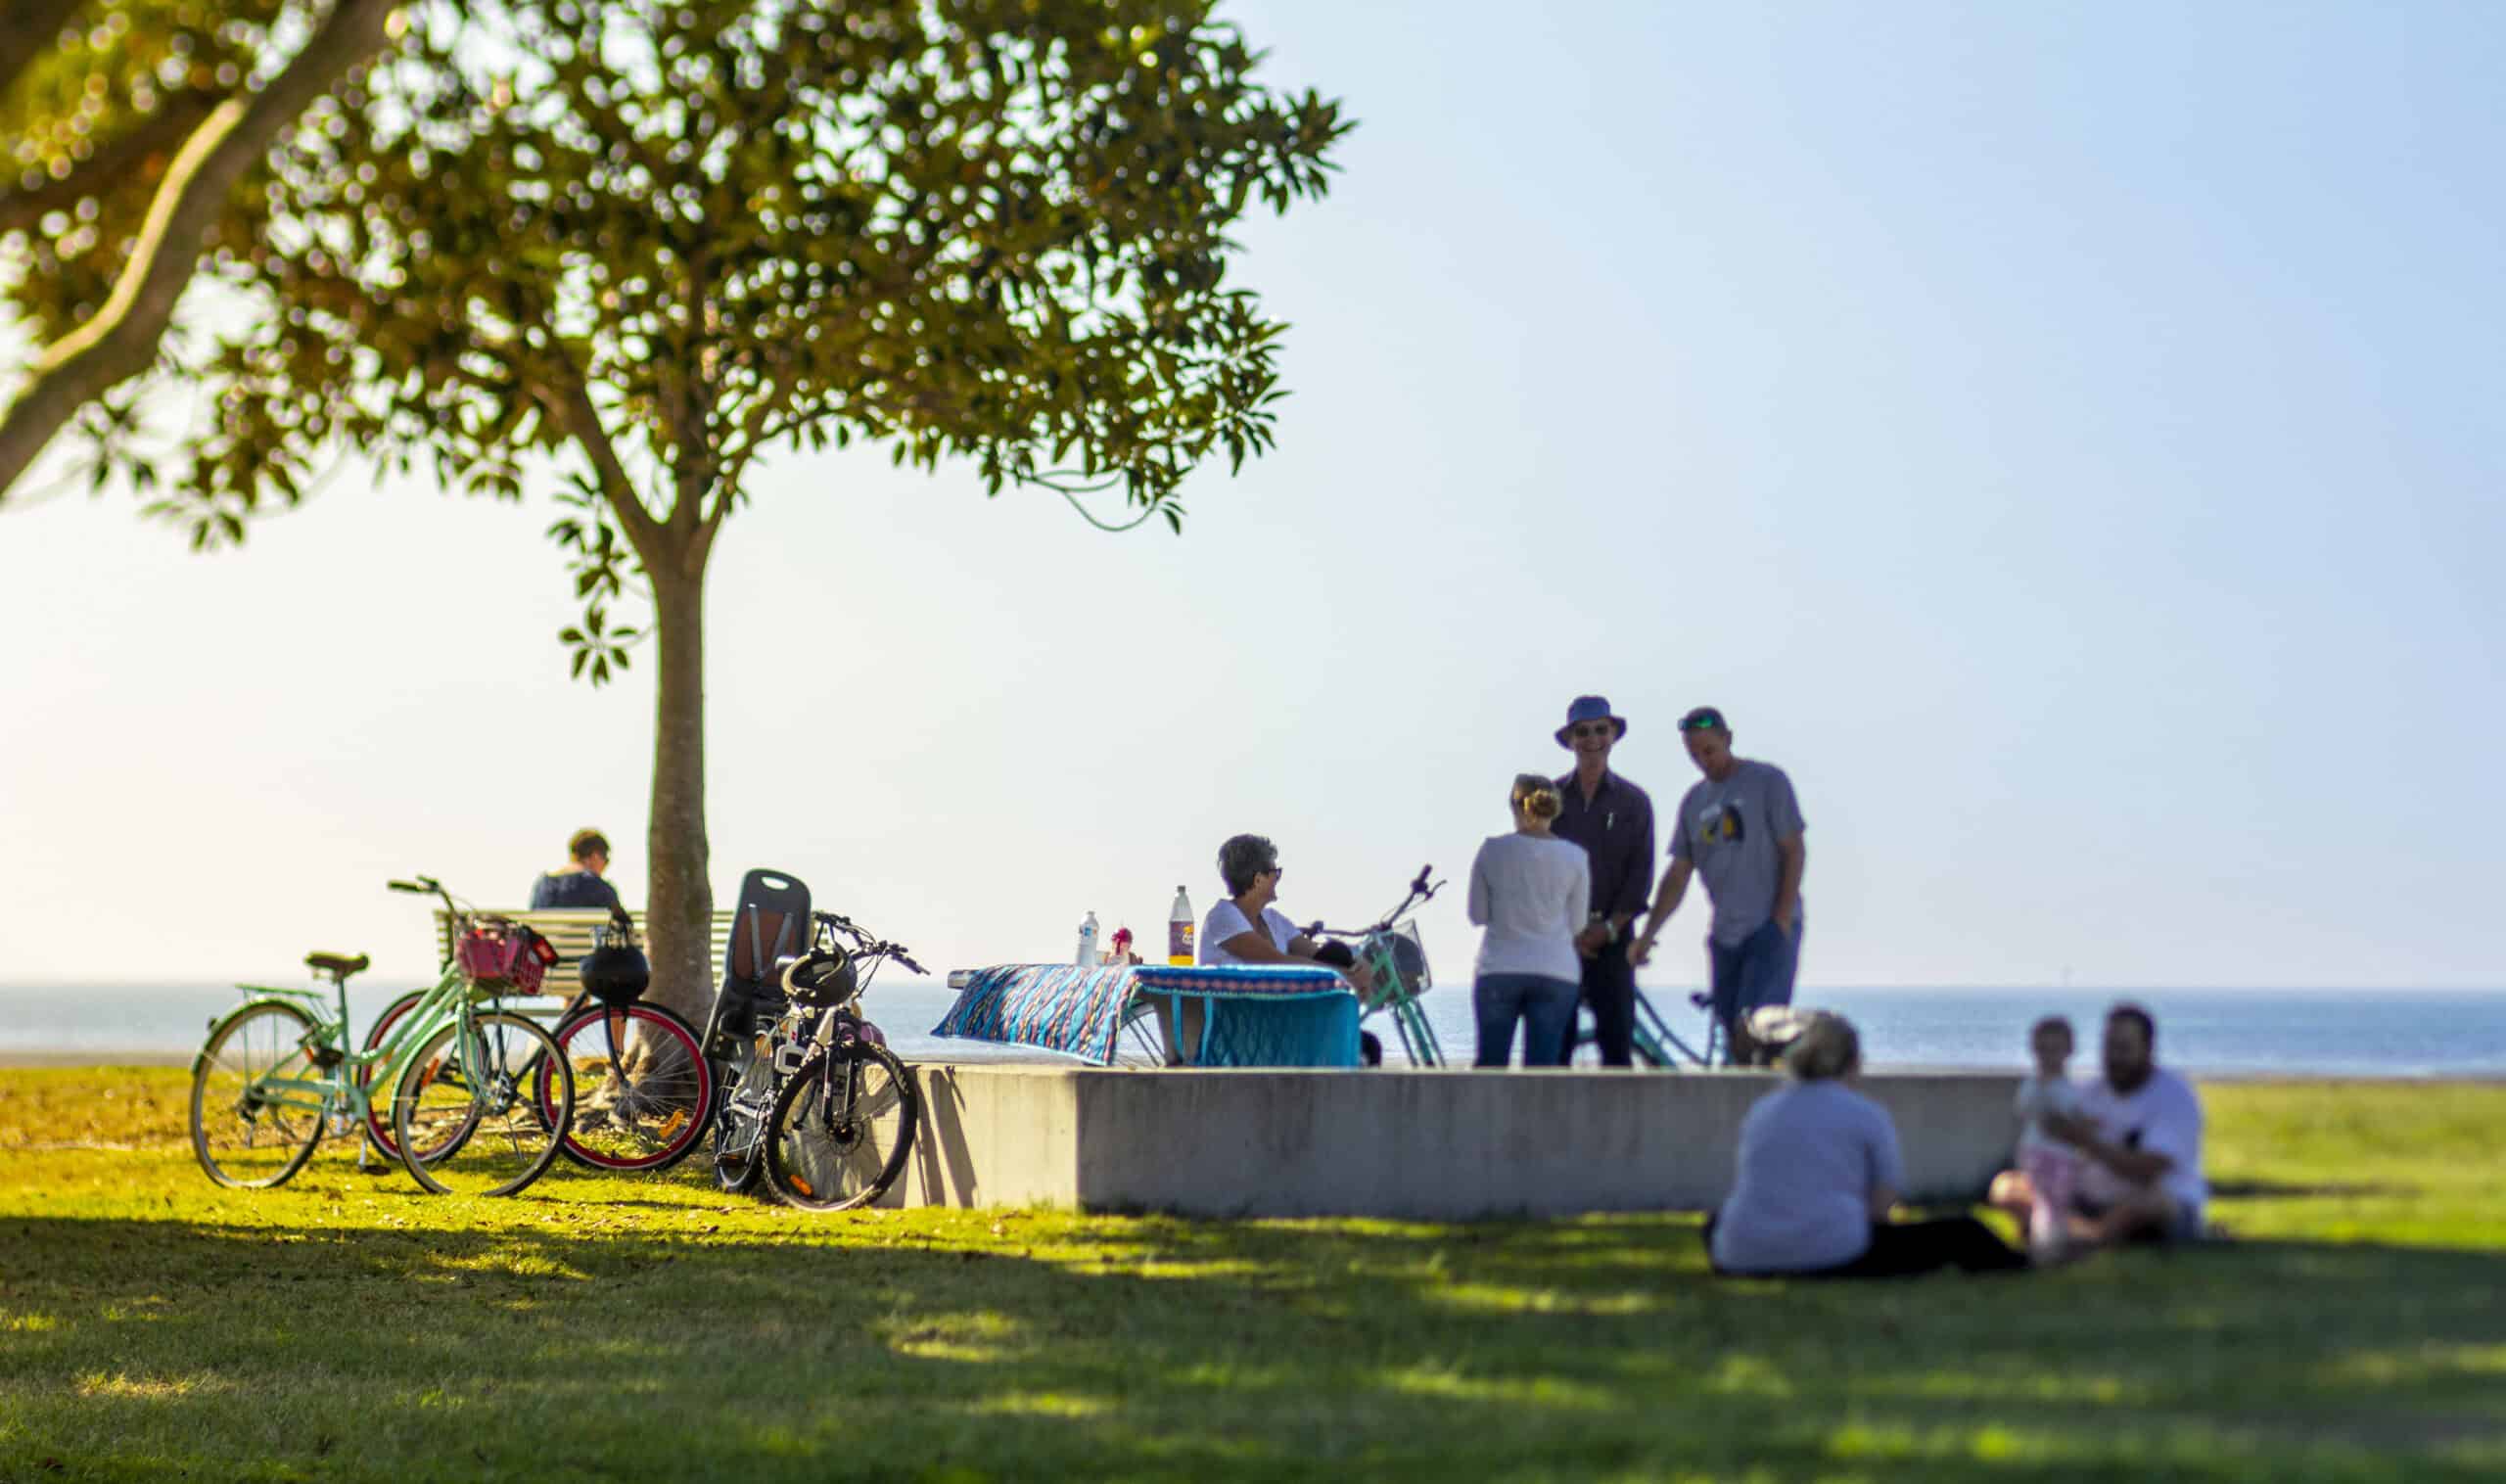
1826, 1047
1243, 858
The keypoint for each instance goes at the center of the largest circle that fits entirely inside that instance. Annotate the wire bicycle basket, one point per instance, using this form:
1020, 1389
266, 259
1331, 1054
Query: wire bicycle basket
505, 957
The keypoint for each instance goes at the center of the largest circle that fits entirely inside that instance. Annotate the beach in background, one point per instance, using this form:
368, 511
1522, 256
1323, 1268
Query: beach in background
2342, 1032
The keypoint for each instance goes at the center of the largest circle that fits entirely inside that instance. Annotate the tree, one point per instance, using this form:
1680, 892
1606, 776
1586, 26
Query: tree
130, 138
636, 245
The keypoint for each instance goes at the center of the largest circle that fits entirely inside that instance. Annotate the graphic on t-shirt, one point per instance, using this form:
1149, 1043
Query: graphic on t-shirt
1721, 824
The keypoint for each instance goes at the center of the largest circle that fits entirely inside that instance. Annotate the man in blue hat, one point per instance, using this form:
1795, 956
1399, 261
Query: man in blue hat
1612, 819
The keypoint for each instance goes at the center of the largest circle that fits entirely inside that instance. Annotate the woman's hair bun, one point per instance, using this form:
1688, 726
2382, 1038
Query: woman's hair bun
1536, 796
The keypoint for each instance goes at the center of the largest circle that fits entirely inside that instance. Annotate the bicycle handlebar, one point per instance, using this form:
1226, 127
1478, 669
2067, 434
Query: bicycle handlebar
1422, 891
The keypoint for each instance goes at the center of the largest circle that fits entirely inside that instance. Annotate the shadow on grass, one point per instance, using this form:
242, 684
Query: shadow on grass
2274, 1190
1037, 1345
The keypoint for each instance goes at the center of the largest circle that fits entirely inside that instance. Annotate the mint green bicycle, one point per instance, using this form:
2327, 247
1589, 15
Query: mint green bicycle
482, 1099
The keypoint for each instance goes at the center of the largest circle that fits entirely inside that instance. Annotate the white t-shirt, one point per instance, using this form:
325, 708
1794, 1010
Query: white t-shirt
1532, 894
2038, 1099
2162, 1116
1227, 920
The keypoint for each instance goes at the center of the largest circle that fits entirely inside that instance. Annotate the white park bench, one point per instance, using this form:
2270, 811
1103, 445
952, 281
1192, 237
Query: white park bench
570, 933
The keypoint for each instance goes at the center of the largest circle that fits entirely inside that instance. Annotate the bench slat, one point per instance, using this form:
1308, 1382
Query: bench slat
570, 933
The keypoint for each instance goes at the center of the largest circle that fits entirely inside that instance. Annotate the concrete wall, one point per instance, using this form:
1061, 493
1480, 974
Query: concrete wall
1426, 1144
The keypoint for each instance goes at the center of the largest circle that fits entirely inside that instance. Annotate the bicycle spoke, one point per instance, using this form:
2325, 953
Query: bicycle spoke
245, 1131
642, 1091
477, 1131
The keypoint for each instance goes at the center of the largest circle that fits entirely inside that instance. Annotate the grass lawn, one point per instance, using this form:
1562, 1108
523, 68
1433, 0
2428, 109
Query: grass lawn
152, 1326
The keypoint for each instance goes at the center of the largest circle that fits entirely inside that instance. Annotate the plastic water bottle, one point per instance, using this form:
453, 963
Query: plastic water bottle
1086, 958
1179, 931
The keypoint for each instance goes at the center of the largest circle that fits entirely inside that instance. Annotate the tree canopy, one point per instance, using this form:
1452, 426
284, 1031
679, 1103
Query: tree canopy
128, 126
636, 245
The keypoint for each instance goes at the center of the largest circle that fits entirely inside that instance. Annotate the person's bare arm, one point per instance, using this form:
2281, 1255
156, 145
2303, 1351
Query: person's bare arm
1791, 855
1665, 902
2142, 1167
1256, 948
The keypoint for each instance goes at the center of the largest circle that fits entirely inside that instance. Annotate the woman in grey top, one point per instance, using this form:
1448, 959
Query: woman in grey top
1530, 891
1817, 1173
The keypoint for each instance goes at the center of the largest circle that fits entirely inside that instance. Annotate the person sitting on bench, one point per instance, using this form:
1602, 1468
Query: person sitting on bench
578, 887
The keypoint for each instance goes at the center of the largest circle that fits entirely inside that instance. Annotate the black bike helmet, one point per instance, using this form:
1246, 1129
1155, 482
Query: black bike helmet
616, 974
821, 977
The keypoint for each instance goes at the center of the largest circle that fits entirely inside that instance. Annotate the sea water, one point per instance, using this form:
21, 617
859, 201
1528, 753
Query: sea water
2347, 1033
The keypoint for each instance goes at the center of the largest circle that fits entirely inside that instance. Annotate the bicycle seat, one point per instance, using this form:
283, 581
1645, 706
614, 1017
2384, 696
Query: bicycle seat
336, 963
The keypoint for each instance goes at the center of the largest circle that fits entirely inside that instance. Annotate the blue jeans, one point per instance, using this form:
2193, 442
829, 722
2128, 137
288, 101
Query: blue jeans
1546, 1007
1756, 972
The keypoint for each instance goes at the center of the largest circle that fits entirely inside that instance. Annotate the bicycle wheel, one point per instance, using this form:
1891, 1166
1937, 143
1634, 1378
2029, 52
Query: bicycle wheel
642, 1095
842, 1129
377, 1111
247, 1134
739, 1127
467, 1115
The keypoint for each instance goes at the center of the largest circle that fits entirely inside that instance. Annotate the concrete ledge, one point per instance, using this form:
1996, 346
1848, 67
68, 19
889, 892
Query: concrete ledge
1429, 1146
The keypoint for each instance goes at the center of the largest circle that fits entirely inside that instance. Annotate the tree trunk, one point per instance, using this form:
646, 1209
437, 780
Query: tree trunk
121, 341
680, 912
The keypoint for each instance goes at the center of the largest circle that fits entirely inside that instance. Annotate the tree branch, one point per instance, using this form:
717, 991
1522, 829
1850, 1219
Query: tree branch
122, 339
28, 29
113, 163
582, 422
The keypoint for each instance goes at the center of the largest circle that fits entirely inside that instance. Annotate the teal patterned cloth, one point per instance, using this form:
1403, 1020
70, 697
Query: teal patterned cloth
1259, 1016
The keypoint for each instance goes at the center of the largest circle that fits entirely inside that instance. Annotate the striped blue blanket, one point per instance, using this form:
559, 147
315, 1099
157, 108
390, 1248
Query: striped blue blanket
1257, 1016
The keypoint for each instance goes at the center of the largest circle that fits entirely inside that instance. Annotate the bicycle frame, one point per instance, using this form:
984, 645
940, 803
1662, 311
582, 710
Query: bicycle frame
336, 1093
785, 1047
1655, 1042
1375, 949
333, 1091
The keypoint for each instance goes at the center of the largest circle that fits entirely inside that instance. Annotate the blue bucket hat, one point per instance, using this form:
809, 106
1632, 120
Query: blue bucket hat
1590, 709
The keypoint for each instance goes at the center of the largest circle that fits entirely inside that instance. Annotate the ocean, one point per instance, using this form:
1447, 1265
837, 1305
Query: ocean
2243, 1033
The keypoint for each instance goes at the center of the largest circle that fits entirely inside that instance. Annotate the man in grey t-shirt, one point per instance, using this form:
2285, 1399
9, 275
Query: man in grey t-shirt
1741, 829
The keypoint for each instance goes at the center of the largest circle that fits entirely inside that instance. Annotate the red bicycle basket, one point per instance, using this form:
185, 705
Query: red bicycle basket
505, 957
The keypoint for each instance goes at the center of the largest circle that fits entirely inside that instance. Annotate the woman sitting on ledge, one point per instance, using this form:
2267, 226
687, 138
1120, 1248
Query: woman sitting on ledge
1818, 1172
1249, 865
1244, 928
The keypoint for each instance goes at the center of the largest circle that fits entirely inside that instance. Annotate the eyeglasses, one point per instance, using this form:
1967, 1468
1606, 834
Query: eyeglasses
1275, 870
1592, 729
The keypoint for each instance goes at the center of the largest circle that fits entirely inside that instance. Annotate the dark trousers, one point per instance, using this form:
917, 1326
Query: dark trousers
1545, 1006
1909, 1249
1751, 975
1608, 990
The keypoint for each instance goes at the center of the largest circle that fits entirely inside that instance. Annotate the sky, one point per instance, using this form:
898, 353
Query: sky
2065, 438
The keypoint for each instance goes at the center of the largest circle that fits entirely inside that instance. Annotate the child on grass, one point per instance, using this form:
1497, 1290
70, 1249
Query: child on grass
2052, 1166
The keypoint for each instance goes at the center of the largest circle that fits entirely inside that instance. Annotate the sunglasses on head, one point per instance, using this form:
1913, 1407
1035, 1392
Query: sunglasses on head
1592, 729
1706, 719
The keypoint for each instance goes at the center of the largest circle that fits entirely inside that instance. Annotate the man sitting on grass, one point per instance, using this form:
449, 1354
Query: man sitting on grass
2139, 1137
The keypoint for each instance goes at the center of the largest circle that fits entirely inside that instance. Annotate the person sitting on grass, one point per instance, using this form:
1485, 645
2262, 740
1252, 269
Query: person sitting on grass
2138, 1135
578, 887
1818, 1173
